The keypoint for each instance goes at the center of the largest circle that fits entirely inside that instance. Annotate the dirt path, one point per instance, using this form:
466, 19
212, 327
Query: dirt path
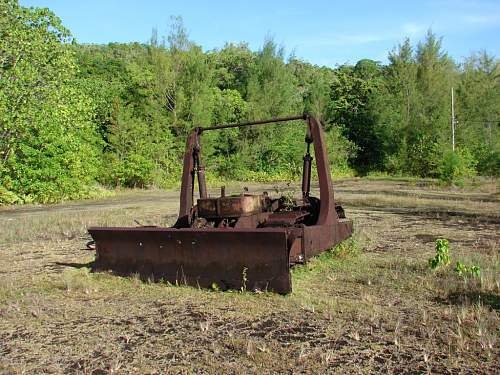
345, 190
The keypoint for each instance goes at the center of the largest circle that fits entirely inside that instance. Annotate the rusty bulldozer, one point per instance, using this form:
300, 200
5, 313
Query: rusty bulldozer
234, 242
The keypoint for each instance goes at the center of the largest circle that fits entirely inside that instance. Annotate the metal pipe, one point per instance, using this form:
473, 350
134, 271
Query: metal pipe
253, 123
199, 168
306, 174
202, 184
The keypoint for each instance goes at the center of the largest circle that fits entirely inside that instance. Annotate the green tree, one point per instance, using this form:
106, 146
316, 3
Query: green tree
49, 148
233, 66
393, 107
271, 92
350, 91
414, 115
313, 85
429, 134
478, 111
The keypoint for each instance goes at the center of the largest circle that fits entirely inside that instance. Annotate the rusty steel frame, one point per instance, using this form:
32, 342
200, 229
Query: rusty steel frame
244, 256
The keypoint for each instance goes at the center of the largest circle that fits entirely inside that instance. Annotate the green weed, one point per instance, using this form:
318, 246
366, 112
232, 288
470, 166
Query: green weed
442, 257
244, 278
463, 271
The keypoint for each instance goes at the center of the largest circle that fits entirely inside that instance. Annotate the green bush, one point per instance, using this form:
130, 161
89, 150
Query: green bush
133, 171
489, 164
442, 257
463, 271
8, 197
422, 157
456, 166
49, 145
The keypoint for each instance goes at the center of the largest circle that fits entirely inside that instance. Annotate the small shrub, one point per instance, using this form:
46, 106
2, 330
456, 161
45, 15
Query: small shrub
460, 269
8, 197
456, 166
346, 248
134, 170
488, 160
463, 271
442, 257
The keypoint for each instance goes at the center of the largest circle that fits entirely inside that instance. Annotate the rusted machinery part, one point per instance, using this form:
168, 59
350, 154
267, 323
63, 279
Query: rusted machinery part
250, 259
226, 259
314, 135
249, 241
199, 130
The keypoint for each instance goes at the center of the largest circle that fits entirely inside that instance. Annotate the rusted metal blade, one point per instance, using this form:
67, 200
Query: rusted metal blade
231, 259
318, 238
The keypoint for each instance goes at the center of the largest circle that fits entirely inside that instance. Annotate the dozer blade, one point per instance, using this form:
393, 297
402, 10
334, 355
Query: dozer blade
230, 259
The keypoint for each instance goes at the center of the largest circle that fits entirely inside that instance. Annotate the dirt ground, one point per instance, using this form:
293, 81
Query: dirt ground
371, 306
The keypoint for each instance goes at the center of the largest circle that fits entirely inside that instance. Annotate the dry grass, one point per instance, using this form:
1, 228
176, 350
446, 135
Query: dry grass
370, 306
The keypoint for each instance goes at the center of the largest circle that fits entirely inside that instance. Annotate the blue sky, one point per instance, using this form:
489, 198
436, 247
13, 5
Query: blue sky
322, 32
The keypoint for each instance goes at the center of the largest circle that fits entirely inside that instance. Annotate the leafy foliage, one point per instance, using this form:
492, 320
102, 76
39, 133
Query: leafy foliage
478, 111
463, 271
72, 116
442, 257
49, 148
457, 165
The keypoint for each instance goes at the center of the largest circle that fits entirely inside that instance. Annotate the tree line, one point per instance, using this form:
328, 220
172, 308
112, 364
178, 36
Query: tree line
77, 116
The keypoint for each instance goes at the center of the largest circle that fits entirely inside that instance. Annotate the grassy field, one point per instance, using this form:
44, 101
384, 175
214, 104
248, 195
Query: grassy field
371, 305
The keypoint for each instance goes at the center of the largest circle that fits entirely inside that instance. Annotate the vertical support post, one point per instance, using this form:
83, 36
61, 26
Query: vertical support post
187, 186
200, 169
327, 213
306, 172
202, 184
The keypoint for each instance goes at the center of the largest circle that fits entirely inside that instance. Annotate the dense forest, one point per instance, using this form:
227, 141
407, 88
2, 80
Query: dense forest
76, 117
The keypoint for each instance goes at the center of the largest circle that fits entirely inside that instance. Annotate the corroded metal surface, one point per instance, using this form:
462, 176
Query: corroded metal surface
245, 241
243, 205
226, 259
